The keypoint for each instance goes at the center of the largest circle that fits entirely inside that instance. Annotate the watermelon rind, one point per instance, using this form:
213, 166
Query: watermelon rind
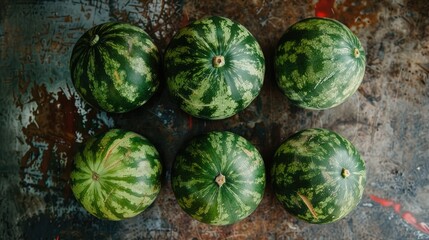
218, 178
114, 67
319, 63
214, 68
116, 174
318, 175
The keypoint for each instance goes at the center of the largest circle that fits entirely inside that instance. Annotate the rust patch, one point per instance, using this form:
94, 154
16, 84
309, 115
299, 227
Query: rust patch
56, 126
354, 14
357, 14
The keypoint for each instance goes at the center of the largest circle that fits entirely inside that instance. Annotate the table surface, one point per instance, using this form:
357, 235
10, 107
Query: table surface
43, 121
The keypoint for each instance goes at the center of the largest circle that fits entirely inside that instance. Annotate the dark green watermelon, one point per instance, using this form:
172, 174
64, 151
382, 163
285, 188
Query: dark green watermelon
114, 66
319, 63
218, 178
214, 68
318, 175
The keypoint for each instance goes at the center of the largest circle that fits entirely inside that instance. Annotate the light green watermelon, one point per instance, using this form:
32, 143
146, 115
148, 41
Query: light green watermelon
319, 63
214, 68
116, 175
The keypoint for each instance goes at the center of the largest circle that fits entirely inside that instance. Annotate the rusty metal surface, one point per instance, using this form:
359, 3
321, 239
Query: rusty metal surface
43, 120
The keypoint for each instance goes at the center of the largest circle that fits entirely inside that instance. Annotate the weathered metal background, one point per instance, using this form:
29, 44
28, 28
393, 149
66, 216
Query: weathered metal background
43, 120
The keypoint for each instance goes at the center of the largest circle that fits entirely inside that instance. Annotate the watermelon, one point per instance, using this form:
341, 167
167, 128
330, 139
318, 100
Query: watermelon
318, 175
218, 178
116, 174
319, 63
214, 68
114, 67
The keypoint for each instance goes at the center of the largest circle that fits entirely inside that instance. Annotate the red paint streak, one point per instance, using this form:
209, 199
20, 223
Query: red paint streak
397, 208
383, 202
407, 216
325, 8
410, 219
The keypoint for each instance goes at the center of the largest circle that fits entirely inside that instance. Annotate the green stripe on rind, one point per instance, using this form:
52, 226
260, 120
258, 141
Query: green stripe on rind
309, 163
120, 72
129, 170
315, 65
196, 167
202, 90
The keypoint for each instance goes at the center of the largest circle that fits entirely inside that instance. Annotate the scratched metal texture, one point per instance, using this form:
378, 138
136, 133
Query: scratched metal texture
43, 121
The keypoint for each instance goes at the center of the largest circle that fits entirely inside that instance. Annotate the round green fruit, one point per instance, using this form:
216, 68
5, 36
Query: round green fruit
218, 178
318, 176
116, 175
114, 67
319, 63
214, 68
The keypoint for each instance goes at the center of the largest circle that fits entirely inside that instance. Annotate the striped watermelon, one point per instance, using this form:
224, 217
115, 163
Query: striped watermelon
318, 175
116, 175
219, 178
214, 68
114, 67
319, 63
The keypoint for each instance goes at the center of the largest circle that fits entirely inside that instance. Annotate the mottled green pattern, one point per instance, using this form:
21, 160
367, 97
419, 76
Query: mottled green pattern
310, 164
119, 72
128, 175
205, 157
203, 90
315, 63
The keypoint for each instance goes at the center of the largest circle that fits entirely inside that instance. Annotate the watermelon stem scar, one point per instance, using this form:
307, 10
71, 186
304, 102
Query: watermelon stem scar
220, 179
356, 53
94, 40
95, 176
345, 173
218, 61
